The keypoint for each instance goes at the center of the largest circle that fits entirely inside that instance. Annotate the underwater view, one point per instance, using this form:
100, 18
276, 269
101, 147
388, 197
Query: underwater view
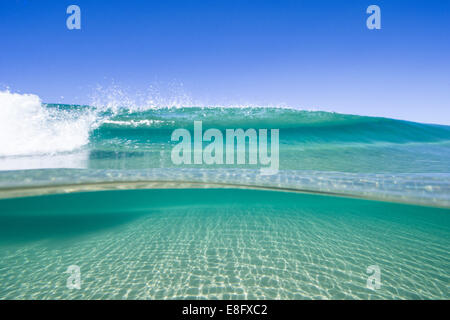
95, 188
235, 157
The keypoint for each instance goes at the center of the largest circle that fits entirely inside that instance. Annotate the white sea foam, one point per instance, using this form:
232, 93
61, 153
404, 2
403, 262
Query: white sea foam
135, 123
27, 127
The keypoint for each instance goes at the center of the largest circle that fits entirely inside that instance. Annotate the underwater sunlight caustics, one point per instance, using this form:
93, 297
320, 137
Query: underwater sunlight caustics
155, 202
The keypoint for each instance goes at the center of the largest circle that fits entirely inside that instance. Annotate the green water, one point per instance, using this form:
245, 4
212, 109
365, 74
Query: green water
221, 243
376, 158
374, 192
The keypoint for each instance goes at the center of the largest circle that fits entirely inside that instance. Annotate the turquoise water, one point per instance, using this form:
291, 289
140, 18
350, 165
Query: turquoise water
221, 243
95, 187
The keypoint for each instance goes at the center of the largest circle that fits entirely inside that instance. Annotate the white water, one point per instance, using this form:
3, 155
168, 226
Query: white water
28, 128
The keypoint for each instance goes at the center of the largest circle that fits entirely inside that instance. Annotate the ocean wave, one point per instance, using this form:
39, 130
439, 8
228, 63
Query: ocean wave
126, 143
28, 127
297, 126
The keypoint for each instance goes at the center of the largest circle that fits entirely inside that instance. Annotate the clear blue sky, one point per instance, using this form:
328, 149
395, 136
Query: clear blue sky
312, 54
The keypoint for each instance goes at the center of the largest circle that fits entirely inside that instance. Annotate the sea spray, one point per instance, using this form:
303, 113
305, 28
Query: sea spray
28, 127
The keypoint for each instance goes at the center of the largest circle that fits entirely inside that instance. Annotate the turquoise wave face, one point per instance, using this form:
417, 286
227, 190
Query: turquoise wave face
309, 128
353, 155
308, 140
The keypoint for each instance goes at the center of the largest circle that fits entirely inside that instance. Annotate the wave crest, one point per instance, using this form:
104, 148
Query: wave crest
28, 127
